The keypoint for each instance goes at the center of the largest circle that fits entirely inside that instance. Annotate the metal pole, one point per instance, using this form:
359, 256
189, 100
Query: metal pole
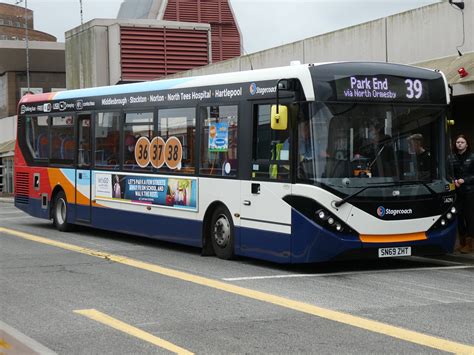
27, 47
80, 4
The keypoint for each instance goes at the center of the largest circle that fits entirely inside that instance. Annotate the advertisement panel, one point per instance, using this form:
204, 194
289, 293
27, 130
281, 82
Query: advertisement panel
154, 190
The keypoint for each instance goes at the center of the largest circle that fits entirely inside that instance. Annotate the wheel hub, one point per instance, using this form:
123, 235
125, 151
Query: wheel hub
222, 231
61, 211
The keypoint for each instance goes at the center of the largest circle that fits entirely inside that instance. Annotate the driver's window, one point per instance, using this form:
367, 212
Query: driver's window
271, 148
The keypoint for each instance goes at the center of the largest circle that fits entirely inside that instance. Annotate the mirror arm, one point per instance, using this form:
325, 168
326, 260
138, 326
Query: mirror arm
278, 96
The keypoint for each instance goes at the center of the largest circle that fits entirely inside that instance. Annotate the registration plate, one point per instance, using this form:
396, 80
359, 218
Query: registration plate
397, 251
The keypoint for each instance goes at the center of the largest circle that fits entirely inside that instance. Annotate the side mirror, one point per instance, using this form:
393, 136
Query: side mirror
279, 121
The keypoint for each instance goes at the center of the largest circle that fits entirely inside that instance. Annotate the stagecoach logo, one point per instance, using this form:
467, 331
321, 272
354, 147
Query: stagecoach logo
25, 109
253, 89
382, 211
257, 90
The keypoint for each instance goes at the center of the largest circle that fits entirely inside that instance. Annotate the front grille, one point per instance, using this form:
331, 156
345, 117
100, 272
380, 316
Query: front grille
22, 183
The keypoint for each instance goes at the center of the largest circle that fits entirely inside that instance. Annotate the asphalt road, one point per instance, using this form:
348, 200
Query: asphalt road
96, 292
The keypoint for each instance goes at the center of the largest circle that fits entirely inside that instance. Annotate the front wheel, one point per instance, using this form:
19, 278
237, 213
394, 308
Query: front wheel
222, 233
60, 212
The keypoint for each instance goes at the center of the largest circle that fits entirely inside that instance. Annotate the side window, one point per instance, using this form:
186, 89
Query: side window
107, 141
219, 140
37, 137
62, 139
138, 129
177, 129
271, 148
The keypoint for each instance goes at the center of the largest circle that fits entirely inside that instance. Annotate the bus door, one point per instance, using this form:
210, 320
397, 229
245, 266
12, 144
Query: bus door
83, 170
265, 217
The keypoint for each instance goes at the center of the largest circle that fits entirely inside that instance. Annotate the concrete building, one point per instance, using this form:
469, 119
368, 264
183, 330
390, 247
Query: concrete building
108, 52
46, 73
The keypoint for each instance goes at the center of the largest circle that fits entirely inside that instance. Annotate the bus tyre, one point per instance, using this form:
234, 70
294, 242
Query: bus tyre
60, 212
222, 233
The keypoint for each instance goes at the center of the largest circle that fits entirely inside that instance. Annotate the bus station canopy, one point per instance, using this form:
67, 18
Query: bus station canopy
43, 56
7, 148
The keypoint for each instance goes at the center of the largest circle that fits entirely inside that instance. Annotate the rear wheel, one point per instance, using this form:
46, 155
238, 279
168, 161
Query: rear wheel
60, 212
222, 233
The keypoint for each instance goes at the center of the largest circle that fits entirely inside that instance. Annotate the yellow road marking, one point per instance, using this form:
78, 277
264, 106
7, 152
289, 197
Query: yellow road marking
4, 344
359, 322
138, 333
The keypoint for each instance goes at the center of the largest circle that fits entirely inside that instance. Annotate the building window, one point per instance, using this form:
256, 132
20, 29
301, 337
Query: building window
219, 140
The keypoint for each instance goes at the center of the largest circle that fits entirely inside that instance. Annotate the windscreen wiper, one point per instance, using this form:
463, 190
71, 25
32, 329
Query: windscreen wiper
347, 198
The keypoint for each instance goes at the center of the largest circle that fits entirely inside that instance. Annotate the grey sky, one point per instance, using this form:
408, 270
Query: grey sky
263, 23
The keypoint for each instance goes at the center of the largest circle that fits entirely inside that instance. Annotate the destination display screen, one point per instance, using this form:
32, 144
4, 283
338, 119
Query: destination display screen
381, 87
378, 82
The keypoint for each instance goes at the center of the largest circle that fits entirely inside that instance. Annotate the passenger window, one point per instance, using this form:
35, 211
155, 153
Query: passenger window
107, 147
137, 125
219, 140
37, 137
177, 129
62, 139
271, 148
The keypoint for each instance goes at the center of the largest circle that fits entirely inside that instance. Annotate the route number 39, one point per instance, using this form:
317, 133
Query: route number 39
414, 88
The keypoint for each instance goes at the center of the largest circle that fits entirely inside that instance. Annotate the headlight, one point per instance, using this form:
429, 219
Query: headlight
325, 218
321, 214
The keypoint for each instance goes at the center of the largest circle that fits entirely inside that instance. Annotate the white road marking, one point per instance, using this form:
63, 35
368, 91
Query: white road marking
11, 218
11, 212
244, 278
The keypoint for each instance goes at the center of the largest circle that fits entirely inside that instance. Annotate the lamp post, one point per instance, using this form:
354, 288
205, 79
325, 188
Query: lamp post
80, 5
27, 47
26, 44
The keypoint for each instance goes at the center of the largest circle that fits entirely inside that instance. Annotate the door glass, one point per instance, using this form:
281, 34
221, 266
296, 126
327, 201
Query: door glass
83, 158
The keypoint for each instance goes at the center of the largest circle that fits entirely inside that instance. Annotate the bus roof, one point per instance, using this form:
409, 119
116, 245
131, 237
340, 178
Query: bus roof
300, 72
